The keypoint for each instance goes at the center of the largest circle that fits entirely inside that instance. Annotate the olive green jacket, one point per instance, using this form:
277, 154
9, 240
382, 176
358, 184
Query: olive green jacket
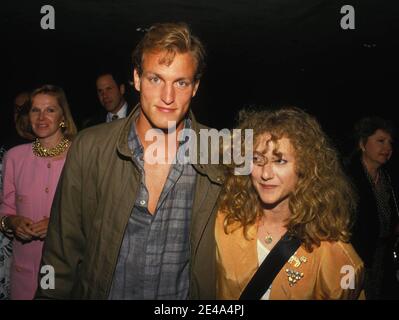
91, 208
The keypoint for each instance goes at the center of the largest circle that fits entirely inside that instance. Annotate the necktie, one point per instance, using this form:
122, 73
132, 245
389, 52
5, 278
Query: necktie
114, 117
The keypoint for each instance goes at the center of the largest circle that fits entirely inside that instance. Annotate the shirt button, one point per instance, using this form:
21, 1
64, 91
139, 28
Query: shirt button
142, 202
46, 190
49, 165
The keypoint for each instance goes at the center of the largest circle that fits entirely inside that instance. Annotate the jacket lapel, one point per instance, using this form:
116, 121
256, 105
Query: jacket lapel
206, 195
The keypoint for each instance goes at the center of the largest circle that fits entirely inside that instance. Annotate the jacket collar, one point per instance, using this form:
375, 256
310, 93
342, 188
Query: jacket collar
214, 172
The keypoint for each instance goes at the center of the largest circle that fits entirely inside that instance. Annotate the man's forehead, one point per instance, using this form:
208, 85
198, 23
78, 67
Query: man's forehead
105, 80
182, 66
167, 58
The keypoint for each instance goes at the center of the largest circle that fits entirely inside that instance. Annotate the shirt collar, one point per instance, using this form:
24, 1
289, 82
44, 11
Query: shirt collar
134, 141
121, 113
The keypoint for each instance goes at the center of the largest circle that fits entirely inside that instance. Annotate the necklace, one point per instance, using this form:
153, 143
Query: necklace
268, 238
40, 151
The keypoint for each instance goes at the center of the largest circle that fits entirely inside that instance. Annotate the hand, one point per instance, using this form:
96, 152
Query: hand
40, 228
21, 227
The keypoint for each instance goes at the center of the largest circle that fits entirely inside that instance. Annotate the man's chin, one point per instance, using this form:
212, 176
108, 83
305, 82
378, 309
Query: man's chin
109, 108
168, 125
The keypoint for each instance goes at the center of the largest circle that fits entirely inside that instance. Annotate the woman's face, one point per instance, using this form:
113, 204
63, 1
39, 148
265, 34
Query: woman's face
273, 175
45, 116
378, 148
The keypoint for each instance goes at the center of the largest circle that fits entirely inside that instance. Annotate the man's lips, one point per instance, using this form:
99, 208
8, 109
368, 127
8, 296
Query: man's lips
166, 110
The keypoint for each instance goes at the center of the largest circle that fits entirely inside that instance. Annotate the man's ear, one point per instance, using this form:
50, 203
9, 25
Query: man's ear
196, 85
361, 146
136, 80
122, 89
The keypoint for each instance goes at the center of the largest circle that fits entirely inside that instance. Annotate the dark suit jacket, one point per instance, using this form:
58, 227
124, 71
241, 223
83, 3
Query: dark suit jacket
100, 117
365, 232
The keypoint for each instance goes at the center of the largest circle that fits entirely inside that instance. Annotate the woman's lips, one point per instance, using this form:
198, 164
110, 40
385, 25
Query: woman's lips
268, 186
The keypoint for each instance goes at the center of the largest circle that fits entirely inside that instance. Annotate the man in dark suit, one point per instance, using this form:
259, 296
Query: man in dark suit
110, 92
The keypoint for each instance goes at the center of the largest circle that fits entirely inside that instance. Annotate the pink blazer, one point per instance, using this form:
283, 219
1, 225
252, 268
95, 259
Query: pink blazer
28, 190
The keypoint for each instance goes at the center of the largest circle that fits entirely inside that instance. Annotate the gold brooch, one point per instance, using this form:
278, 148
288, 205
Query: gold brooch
293, 276
297, 261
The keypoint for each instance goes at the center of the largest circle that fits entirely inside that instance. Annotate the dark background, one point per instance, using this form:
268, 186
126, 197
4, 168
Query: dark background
267, 52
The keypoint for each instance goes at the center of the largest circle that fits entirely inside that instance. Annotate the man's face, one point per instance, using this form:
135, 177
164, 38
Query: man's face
166, 90
109, 94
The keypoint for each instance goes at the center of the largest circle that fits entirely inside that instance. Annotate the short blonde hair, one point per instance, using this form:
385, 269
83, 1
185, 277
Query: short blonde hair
172, 38
23, 125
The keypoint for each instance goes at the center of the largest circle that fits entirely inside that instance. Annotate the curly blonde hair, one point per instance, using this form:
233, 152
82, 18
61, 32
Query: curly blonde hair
323, 201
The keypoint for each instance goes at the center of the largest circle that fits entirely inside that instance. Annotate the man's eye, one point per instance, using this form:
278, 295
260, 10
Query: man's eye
182, 84
154, 80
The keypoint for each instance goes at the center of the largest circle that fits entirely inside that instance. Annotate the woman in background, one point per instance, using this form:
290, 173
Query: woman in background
376, 221
31, 172
6, 239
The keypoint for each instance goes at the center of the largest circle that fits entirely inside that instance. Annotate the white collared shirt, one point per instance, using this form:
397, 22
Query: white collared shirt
121, 113
263, 252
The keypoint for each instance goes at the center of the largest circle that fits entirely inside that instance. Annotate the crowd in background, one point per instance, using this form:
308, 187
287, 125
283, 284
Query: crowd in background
329, 200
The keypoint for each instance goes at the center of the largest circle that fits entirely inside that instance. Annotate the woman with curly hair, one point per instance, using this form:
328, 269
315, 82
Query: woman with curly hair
296, 198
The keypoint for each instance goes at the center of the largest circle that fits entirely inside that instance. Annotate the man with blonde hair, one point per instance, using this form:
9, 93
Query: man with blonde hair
126, 228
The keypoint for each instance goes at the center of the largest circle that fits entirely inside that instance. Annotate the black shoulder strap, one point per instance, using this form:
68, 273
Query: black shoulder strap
270, 267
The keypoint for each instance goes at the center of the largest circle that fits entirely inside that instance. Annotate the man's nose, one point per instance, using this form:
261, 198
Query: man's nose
168, 94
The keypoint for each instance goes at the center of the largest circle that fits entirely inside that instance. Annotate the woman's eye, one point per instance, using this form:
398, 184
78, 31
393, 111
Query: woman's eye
258, 160
281, 161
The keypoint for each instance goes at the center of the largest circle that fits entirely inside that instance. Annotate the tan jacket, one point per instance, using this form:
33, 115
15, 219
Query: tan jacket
237, 261
91, 209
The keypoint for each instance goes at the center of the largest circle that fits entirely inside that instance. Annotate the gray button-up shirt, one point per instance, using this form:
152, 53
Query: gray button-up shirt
154, 257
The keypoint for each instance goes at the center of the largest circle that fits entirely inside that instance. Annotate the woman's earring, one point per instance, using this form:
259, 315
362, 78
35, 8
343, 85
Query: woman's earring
62, 124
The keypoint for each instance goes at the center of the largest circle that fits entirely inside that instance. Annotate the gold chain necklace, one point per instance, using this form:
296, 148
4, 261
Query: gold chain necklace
40, 151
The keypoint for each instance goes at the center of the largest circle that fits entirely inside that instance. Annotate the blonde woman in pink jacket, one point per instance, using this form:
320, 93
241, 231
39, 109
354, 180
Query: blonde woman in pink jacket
30, 176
